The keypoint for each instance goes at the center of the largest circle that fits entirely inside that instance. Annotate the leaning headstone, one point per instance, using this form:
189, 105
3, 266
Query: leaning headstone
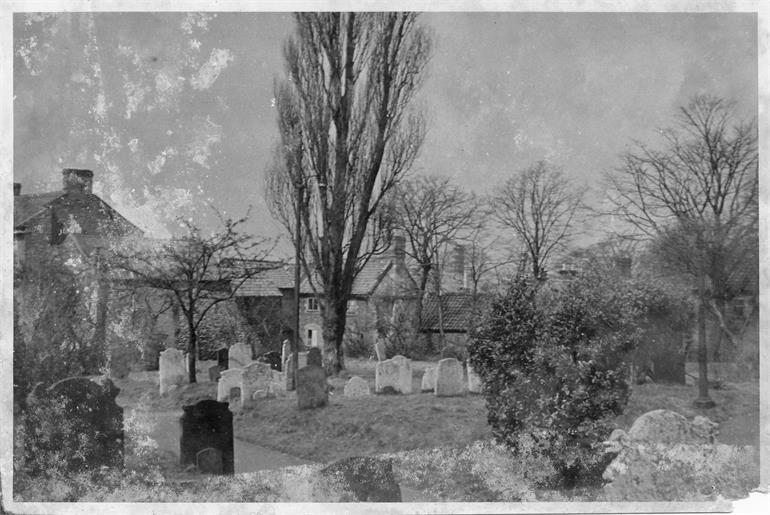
395, 374
229, 379
314, 357
474, 380
449, 378
356, 387
209, 461
256, 377
289, 374
366, 479
223, 358
94, 435
172, 369
239, 355
207, 424
379, 350
214, 373
312, 389
428, 380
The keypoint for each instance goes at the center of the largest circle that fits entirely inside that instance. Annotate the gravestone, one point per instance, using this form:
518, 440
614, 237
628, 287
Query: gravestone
474, 380
209, 461
302, 359
214, 373
229, 379
223, 358
356, 387
255, 377
314, 357
285, 352
172, 369
151, 350
312, 389
449, 378
207, 425
278, 383
429, 380
395, 373
379, 350
367, 479
239, 355
289, 374
94, 421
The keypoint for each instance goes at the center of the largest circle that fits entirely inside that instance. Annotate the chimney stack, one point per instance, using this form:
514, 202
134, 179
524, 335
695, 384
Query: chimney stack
76, 180
16, 189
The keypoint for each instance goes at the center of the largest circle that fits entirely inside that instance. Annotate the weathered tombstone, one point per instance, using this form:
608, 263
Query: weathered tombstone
314, 357
289, 368
285, 352
379, 350
474, 380
278, 383
229, 379
172, 369
312, 389
356, 387
367, 479
449, 378
214, 373
223, 359
395, 373
256, 377
207, 424
239, 355
209, 461
429, 380
94, 421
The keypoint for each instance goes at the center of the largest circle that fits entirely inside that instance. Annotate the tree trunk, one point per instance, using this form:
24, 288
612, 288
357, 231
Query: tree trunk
703, 400
192, 347
334, 315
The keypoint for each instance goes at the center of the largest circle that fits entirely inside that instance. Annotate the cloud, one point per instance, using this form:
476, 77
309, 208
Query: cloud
209, 72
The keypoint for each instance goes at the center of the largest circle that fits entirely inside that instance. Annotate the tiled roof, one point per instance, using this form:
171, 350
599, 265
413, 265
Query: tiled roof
268, 283
28, 205
456, 312
86, 243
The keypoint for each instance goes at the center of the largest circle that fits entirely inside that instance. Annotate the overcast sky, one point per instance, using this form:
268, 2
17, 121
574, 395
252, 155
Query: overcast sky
172, 109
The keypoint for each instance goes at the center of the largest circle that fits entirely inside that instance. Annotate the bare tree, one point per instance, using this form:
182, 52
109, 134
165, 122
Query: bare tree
347, 137
697, 198
486, 253
431, 212
199, 270
540, 206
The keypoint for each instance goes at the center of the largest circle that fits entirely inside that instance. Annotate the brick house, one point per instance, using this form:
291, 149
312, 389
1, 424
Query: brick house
76, 227
382, 288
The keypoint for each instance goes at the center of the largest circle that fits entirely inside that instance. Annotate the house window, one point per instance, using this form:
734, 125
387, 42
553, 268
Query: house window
312, 338
312, 304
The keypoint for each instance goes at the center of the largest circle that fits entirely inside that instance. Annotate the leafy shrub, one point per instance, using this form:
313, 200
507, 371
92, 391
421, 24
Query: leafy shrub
552, 364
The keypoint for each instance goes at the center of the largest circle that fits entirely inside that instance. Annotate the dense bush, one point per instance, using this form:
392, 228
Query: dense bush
552, 363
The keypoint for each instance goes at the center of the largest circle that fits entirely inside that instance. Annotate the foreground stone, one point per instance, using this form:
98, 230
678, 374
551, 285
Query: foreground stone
207, 425
379, 350
256, 377
366, 479
230, 378
356, 387
449, 378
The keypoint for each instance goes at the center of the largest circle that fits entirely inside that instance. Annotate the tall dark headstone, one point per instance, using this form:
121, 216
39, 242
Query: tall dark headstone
207, 424
222, 358
312, 390
209, 461
90, 422
314, 357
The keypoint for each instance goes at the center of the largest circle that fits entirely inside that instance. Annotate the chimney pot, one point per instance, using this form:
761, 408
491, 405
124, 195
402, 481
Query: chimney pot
16, 189
77, 180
